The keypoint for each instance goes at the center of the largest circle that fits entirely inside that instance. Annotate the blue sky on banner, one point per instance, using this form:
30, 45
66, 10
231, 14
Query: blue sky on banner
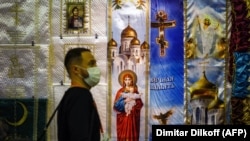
120, 20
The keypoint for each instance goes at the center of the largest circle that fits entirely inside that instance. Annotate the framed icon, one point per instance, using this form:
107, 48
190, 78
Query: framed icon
77, 18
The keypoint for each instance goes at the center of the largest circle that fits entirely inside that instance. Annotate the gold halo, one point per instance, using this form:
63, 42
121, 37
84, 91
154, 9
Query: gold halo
132, 73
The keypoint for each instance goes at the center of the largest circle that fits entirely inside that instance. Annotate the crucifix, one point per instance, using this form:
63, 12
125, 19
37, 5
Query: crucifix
16, 9
162, 23
14, 33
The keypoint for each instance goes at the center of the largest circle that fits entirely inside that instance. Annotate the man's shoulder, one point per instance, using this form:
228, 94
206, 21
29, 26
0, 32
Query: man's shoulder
77, 91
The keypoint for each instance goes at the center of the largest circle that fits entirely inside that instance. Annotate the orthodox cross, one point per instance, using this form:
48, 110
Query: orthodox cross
14, 33
162, 23
16, 9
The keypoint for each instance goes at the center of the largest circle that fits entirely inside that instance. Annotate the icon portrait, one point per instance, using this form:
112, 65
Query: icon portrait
75, 17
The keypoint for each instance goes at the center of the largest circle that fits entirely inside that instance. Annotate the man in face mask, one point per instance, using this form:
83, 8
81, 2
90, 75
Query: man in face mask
77, 118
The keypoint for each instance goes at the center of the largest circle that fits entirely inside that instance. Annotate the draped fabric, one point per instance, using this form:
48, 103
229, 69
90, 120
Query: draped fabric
239, 31
240, 111
24, 70
21, 117
33, 42
241, 80
238, 67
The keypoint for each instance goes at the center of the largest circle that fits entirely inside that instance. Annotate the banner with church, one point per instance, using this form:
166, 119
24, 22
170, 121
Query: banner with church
128, 53
207, 97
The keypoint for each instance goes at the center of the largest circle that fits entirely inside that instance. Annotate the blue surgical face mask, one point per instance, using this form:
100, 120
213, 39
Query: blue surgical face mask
94, 76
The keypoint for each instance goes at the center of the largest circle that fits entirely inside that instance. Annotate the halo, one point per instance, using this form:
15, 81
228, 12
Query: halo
132, 73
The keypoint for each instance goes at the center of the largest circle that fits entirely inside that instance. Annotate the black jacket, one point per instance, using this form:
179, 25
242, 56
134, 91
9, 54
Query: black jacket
77, 117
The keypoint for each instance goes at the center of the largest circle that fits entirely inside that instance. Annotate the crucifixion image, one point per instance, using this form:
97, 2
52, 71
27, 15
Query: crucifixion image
162, 23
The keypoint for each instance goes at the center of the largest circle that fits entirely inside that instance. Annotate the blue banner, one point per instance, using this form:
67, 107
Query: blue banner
166, 62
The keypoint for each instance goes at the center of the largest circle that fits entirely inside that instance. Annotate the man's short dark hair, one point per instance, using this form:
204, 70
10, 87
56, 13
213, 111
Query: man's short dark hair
74, 55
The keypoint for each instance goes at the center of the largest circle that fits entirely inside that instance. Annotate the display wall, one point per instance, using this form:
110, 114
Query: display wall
189, 60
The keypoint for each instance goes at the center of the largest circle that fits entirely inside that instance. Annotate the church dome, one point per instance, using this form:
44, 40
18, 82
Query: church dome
203, 89
135, 41
216, 104
128, 32
145, 45
112, 42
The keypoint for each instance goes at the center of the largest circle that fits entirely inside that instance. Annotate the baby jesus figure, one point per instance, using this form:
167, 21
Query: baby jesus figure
130, 100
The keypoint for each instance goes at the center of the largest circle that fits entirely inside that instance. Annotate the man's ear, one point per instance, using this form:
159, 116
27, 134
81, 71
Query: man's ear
75, 69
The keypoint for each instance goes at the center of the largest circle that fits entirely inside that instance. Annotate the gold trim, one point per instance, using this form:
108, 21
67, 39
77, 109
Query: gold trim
51, 61
226, 64
109, 97
185, 65
147, 73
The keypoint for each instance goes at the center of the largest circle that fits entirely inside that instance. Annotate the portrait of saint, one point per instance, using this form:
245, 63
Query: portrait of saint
127, 115
75, 17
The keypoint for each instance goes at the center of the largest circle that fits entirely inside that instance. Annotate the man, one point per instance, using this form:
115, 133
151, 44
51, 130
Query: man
78, 118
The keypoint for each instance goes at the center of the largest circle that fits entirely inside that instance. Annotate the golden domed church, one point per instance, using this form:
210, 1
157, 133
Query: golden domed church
130, 55
206, 107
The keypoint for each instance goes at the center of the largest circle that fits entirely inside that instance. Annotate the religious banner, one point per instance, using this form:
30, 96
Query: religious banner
22, 119
128, 51
25, 72
207, 99
166, 63
24, 22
